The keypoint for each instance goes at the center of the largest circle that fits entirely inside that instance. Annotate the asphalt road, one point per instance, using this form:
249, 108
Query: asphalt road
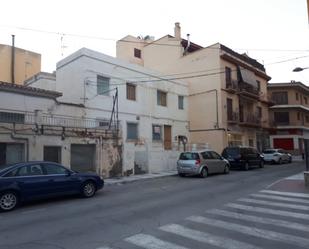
167, 213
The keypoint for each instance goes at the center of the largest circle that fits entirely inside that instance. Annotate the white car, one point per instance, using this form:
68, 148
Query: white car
277, 156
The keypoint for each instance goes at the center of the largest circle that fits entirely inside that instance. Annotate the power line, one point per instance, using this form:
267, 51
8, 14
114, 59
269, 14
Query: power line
143, 41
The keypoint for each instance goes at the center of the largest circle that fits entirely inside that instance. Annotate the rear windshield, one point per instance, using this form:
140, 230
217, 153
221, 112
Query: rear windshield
269, 151
231, 151
189, 156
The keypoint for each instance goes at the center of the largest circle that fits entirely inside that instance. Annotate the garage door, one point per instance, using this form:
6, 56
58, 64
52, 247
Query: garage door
284, 143
83, 157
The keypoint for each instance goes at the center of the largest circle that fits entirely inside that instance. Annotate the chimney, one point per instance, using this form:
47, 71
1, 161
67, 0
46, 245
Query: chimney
177, 31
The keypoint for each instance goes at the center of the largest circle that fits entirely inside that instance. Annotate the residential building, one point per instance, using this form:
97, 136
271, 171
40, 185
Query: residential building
152, 112
228, 101
35, 126
289, 116
17, 65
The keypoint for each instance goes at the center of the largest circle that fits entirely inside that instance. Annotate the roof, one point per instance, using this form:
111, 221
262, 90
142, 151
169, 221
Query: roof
26, 90
292, 84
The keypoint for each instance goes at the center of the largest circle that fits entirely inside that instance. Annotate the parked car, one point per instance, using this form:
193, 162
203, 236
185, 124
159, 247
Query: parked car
201, 163
36, 180
277, 156
243, 157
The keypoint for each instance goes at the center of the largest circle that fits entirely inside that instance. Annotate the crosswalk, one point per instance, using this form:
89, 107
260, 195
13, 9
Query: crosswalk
268, 219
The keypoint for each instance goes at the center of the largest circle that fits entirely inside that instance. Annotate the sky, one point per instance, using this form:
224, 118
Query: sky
274, 32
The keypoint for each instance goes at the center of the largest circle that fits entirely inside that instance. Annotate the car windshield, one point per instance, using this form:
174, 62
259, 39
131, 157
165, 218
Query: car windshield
189, 156
269, 151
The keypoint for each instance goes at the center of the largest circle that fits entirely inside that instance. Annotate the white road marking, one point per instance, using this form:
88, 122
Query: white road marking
286, 193
280, 198
151, 242
253, 231
252, 218
275, 204
206, 237
268, 211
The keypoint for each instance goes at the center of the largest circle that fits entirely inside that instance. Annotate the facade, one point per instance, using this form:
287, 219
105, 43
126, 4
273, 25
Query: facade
152, 112
289, 116
17, 65
34, 125
228, 101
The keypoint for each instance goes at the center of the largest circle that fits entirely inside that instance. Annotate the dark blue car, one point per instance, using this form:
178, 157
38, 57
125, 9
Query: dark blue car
37, 180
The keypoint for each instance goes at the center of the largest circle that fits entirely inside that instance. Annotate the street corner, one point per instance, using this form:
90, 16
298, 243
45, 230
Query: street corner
294, 184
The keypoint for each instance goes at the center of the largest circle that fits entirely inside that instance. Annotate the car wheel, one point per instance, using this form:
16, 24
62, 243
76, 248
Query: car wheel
8, 201
88, 189
226, 169
181, 174
261, 164
204, 173
246, 166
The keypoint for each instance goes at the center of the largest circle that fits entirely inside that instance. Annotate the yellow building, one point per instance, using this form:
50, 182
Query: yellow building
17, 65
228, 101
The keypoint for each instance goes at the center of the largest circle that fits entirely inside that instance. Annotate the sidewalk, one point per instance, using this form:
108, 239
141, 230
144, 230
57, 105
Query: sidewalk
134, 178
293, 183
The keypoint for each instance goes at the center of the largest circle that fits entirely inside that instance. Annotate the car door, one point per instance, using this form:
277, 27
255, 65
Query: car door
209, 161
218, 162
256, 157
31, 181
61, 180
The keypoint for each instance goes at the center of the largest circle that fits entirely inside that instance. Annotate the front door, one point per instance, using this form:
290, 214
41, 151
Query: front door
167, 137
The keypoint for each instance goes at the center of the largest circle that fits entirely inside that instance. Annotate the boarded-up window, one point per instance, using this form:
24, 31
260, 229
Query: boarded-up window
131, 91
161, 98
102, 85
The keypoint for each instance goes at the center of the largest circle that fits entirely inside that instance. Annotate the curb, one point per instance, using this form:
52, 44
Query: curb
135, 178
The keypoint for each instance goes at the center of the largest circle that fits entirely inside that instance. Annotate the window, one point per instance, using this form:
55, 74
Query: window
298, 116
258, 85
11, 117
180, 102
102, 85
296, 95
282, 117
131, 91
161, 98
132, 132
206, 155
156, 132
228, 76
307, 119
306, 102
259, 112
229, 108
53, 169
189, 156
214, 155
137, 53
280, 98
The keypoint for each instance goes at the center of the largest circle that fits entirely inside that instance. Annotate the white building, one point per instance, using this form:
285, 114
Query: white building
35, 126
152, 110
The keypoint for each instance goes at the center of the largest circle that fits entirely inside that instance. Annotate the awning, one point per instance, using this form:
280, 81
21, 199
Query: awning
248, 77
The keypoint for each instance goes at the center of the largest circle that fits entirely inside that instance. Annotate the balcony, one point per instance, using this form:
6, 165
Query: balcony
248, 91
232, 86
250, 120
232, 117
300, 123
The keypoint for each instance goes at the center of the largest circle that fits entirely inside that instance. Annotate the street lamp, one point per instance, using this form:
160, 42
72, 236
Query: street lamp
306, 141
299, 69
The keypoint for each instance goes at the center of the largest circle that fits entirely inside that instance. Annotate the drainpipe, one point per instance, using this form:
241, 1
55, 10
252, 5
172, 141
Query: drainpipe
13, 60
14, 137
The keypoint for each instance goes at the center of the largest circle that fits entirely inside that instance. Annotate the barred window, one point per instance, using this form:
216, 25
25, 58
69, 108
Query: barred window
11, 117
131, 91
102, 85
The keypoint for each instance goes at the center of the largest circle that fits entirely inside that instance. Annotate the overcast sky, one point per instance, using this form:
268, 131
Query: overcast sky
275, 32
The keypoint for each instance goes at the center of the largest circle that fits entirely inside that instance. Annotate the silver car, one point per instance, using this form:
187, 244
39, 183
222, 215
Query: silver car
277, 156
201, 163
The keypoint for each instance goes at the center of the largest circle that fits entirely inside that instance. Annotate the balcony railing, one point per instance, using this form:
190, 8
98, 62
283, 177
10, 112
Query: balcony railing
287, 123
232, 117
250, 120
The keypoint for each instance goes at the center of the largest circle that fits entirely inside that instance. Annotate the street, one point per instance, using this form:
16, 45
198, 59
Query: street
222, 211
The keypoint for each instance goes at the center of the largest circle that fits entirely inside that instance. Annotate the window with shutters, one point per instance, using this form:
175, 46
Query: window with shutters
228, 76
161, 98
131, 91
